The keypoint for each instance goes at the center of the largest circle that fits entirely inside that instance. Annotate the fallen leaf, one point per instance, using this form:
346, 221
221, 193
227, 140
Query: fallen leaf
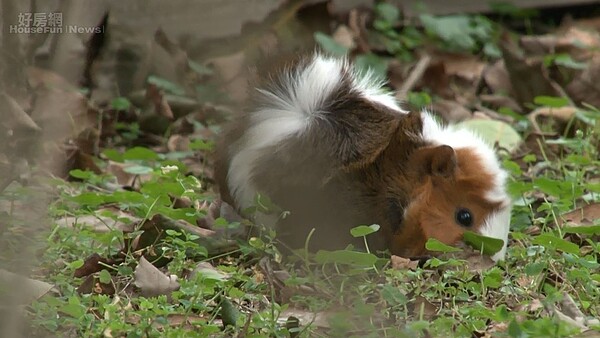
229, 213
475, 260
570, 309
62, 113
585, 87
27, 289
520, 67
208, 271
233, 72
342, 7
495, 132
93, 264
497, 78
17, 117
451, 110
91, 284
188, 321
584, 216
124, 178
534, 305
103, 220
494, 327
178, 143
500, 101
435, 78
344, 36
401, 263
466, 66
422, 308
577, 322
159, 102
561, 115
577, 42
316, 319
151, 281
526, 281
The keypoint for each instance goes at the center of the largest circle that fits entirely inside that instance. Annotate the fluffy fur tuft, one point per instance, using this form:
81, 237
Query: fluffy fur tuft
289, 106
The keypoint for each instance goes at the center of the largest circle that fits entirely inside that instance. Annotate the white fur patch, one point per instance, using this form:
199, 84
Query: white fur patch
458, 138
372, 90
497, 225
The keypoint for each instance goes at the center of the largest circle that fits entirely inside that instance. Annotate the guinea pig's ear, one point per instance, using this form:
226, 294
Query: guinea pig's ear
435, 161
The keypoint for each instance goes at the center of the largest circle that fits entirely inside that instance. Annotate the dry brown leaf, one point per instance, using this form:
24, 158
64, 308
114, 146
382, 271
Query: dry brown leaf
585, 87
519, 68
209, 271
358, 19
499, 101
229, 213
577, 42
163, 222
159, 102
526, 281
84, 161
91, 284
475, 261
232, 70
436, 79
342, 7
577, 322
534, 305
466, 66
39, 77
63, 113
93, 264
185, 75
401, 263
588, 334
570, 309
451, 110
124, 178
316, 319
422, 308
13, 115
178, 143
413, 78
584, 216
561, 115
497, 78
344, 36
101, 222
188, 321
479, 263
495, 328
151, 281
27, 288
584, 23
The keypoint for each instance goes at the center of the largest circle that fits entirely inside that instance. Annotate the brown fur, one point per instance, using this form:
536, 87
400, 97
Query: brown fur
435, 199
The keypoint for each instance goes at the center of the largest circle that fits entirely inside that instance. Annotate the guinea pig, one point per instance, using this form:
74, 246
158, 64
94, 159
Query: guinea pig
331, 146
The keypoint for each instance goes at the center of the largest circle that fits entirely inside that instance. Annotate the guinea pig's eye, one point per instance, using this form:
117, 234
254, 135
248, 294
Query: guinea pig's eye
464, 217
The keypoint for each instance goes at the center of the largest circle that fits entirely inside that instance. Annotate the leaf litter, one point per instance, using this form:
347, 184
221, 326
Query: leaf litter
459, 85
